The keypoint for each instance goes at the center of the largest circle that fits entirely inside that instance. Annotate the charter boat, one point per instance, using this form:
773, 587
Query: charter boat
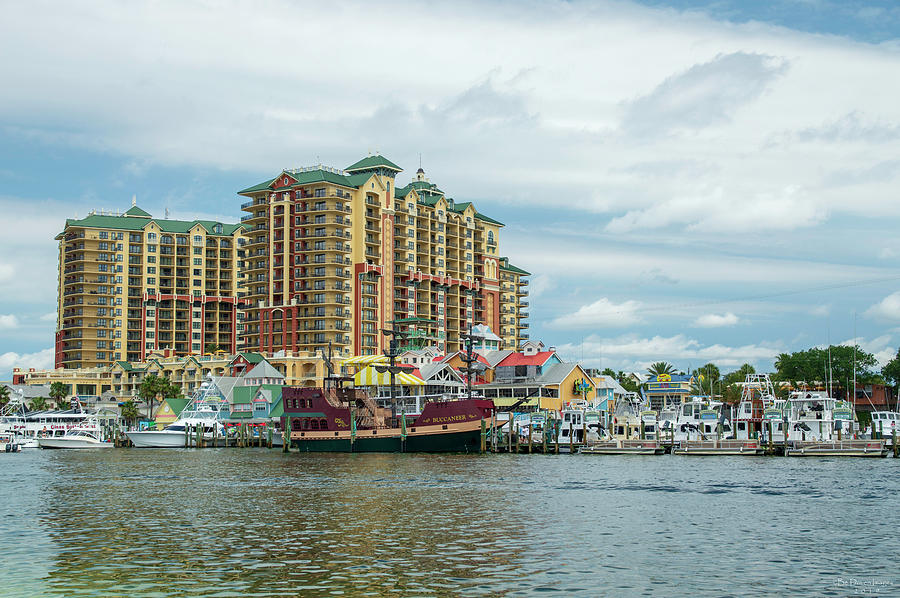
697, 419
27, 426
75, 438
884, 425
205, 412
634, 431
337, 419
757, 394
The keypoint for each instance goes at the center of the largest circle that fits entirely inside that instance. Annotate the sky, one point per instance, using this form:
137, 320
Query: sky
687, 181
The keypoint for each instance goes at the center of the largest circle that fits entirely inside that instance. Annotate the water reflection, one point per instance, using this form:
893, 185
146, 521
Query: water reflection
229, 522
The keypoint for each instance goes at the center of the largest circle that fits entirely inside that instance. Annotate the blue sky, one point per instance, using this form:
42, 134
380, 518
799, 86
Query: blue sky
687, 181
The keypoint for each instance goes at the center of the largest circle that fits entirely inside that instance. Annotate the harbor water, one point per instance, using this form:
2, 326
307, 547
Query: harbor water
255, 522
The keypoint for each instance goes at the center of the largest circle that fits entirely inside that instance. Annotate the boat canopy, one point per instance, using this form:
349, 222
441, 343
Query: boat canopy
369, 376
364, 360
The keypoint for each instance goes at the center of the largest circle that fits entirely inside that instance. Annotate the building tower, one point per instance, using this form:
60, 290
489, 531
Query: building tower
131, 284
337, 255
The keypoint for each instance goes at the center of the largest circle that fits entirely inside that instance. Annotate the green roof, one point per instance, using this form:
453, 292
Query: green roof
251, 357
481, 216
243, 394
177, 405
305, 177
505, 265
277, 408
373, 162
241, 414
139, 222
136, 211
460, 206
125, 365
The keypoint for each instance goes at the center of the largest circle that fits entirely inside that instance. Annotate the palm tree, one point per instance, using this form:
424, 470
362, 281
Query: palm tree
38, 404
59, 392
661, 367
129, 412
4, 395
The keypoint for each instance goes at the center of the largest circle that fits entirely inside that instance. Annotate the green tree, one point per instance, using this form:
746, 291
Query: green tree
661, 367
152, 387
156, 387
731, 394
626, 382
738, 375
891, 371
608, 372
38, 404
4, 395
817, 365
58, 393
211, 348
129, 412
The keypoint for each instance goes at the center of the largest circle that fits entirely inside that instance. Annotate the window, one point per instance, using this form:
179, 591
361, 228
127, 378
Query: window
104, 234
198, 261
151, 236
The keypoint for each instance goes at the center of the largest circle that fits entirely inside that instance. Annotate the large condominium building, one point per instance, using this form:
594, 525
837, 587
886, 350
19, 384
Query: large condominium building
131, 284
335, 256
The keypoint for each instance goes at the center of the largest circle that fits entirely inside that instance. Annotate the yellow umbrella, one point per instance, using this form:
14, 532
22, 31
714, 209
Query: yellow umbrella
369, 376
364, 360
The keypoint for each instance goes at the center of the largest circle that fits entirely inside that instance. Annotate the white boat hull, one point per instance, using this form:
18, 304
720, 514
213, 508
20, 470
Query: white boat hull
71, 443
156, 439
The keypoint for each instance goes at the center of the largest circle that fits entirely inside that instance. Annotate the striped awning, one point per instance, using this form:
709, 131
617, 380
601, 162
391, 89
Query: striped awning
364, 360
369, 376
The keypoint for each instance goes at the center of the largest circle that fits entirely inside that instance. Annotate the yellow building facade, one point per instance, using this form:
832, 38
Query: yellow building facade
336, 255
131, 284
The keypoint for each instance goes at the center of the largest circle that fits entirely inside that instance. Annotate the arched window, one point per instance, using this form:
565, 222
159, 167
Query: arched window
490, 236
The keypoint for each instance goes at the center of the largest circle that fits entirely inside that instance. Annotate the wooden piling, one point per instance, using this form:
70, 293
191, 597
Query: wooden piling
286, 435
509, 435
483, 437
187, 436
516, 441
784, 429
530, 436
894, 441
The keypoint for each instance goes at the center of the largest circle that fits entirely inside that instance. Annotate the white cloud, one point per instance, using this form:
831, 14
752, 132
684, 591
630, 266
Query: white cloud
886, 309
602, 312
716, 93
820, 310
716, 320
638, 352
703, 95
40, 360
540, 284
48, 317
8, 321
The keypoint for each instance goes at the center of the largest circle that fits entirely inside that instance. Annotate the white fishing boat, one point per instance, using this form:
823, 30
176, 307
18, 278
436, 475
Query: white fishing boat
28, 426
205, 413
884, 425
697, 419
76, 438
9, 443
